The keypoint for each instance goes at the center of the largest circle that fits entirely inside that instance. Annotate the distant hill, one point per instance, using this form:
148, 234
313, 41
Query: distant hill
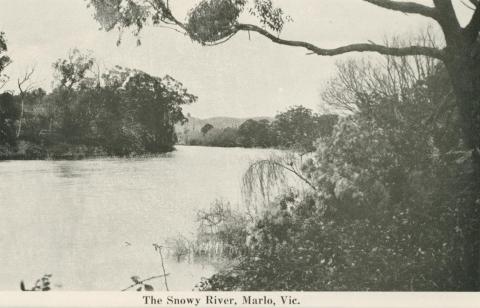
194, 125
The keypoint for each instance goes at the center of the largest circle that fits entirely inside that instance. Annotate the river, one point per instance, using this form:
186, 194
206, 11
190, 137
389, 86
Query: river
91, 223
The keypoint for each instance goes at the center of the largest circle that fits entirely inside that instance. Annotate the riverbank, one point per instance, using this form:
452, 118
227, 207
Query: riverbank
25, 150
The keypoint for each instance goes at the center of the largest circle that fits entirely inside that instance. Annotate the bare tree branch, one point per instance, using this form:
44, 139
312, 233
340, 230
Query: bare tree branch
159, 249
168, 19
23, 91
406, 7
144, 280
21, 82
4, 79
362, 47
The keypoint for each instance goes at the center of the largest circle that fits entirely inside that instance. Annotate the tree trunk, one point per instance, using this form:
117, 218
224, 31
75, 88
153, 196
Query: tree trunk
464, 69
19, 131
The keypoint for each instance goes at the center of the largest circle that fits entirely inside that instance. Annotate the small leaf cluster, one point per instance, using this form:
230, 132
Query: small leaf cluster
4, 59
213, 20
42, 284
141, 285
269, 16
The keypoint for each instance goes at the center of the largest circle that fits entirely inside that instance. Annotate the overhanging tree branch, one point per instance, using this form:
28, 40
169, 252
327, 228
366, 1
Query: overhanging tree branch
167, 17
440, 12
362, 47
406, 7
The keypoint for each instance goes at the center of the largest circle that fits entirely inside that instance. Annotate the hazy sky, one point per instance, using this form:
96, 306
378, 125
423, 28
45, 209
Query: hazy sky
241, 78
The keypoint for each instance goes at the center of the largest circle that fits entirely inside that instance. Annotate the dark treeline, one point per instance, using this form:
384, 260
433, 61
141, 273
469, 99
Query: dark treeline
121, 112
297, 128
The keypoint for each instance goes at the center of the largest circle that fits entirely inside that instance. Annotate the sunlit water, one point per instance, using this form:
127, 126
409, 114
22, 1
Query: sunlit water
72, 219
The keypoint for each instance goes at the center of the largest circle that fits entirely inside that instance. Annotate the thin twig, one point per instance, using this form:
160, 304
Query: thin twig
171, 28
220, 42
145, 280
159, 249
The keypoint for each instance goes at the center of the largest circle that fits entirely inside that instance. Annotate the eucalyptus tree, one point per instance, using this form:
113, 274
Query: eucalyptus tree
4, 59
206, 128
212, 22
25, 86
72, 71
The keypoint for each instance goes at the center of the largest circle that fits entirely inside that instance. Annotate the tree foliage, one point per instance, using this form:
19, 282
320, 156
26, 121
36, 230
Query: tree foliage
296, 129
299, 128
254, 133
73, 70
209, 22
122, 112
9, 112
212, 20
206, 128
388, 205
4, 59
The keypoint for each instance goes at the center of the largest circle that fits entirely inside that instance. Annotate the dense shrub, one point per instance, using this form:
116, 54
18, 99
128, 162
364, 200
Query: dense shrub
373, 224
388, 208
9, 113
31, 151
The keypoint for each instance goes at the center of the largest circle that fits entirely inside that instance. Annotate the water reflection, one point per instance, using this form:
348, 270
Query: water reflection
67, 170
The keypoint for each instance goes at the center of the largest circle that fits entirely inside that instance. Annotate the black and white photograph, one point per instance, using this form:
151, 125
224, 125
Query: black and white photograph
240, 145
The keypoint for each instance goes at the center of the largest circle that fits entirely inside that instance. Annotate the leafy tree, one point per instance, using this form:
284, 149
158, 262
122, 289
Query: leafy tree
155, 103
227, 137
73, 71
297, 128
9, 114
4, 59
216, 21
34, 114
206, 128
72, 75
326, 123
132, 113
217, 137
254, 133
122, 112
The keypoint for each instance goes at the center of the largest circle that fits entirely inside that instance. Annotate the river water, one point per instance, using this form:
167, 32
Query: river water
92, 223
